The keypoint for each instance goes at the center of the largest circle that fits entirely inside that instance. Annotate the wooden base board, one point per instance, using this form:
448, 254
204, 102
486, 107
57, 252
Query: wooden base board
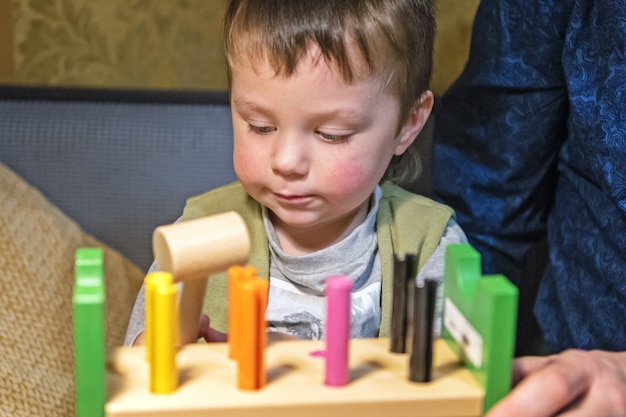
295, 384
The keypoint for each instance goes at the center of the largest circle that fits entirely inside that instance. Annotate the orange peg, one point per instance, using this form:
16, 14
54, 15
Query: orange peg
252, 334
262, 291
236, 275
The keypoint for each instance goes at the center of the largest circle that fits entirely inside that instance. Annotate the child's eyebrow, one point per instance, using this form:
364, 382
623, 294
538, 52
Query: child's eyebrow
352, 115
245, 104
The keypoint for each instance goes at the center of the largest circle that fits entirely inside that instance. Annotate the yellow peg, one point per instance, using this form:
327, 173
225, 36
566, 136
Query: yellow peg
152, 281
164, 329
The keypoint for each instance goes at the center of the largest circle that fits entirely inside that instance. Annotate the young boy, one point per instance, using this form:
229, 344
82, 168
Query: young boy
327, 98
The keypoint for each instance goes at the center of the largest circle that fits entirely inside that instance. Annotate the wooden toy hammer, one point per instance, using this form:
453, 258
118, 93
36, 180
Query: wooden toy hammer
191, 251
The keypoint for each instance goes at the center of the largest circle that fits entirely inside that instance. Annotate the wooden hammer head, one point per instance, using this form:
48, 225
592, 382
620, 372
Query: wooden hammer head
201, 247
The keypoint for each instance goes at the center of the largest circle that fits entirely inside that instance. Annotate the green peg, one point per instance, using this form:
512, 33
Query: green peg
89, 359
480, 314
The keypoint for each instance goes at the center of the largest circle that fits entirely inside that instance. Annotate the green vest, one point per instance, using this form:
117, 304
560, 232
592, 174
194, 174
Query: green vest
405, 223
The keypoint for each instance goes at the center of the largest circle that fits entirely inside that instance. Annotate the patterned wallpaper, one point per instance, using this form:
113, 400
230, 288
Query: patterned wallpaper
454, 31
127, 43
161, 43
7, 69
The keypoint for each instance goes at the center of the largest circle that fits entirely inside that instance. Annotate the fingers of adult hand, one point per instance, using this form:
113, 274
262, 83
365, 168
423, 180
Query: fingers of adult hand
524, 366
547, 388
600, 403
606, 396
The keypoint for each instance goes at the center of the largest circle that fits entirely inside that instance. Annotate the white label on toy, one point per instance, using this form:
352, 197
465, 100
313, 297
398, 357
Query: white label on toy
464, 333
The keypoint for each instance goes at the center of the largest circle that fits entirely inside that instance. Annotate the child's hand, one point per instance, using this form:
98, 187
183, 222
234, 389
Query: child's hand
206, 332
140, 340
278, 337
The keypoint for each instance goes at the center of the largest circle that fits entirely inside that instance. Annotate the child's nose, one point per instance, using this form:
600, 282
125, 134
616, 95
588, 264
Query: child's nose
290, 156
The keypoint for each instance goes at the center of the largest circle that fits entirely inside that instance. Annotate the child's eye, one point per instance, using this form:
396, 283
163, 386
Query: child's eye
261, 130
331, 138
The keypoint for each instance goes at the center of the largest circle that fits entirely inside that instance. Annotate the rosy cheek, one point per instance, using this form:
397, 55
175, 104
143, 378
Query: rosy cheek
345, 178
243, 161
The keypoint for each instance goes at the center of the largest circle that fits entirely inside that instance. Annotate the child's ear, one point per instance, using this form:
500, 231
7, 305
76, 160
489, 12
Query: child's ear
415, 122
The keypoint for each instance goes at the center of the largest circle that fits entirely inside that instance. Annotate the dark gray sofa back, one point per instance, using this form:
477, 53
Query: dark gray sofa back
119, 163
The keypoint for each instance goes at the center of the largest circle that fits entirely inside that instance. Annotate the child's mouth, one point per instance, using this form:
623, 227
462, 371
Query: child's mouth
293, 198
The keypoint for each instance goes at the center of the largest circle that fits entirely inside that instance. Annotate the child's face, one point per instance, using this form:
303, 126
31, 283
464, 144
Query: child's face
310, 147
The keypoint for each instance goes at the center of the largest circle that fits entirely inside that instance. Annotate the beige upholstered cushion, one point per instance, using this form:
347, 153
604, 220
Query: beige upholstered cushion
37, 247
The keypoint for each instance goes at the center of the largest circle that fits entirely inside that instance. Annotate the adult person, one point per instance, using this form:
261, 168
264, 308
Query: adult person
529, 142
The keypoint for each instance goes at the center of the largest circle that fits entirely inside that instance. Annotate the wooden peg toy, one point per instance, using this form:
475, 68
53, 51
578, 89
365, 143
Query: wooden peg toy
467, 377
194, 249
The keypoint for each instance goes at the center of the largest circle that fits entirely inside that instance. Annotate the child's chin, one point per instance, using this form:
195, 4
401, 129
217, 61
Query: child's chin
299, 220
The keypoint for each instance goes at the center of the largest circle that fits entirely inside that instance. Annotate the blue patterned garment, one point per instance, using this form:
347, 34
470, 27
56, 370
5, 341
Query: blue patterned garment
530, 140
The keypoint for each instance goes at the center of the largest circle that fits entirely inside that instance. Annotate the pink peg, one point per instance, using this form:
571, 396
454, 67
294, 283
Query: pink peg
338, 289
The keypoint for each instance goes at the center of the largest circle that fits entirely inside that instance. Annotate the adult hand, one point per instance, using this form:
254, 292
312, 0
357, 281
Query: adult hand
574, 383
